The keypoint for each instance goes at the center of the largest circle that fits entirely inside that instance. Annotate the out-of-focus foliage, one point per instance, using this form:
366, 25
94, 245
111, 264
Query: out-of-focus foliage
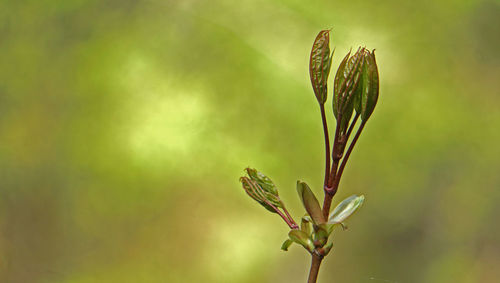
124, 126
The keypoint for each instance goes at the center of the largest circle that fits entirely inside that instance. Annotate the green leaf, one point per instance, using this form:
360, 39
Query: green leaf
338, 81
265, 182
258, 194
301, 238
346, 86
345, 209
286, 244
370, 89
319, 65
310, 202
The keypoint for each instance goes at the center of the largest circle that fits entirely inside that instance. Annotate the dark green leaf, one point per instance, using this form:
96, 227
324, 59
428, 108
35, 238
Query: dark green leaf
370, 90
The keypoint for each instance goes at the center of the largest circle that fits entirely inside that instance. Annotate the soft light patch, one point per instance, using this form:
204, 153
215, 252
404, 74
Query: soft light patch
237, 250
164, 119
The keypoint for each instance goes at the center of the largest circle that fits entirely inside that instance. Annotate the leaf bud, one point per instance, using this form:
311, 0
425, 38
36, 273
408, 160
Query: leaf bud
368, 87
346, 85
320, 63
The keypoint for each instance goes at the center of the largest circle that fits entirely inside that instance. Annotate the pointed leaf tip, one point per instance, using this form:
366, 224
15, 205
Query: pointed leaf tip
310, 202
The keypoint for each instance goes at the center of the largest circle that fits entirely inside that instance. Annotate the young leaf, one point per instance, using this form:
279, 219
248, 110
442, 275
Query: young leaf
346, 86
370, 90
345, 209
265, 182
301, 238
257, 193
286, 244
338, 81
319, 65
310, 202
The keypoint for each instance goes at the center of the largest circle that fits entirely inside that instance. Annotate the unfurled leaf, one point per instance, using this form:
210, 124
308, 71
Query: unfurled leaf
310, 202
345, 209
319, 65
286, 244
301, 238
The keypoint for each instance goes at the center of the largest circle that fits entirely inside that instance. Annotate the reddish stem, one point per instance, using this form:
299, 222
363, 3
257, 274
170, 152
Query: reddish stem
327, 144
313, 272
348, 153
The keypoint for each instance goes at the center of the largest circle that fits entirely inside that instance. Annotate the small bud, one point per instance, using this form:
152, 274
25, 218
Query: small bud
320, 63
346, 85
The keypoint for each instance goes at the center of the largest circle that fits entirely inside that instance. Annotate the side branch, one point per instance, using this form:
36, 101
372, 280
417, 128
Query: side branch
327, 143
346, 158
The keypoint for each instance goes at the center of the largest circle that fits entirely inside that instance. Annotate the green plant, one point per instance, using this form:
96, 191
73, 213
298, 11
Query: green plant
356, 87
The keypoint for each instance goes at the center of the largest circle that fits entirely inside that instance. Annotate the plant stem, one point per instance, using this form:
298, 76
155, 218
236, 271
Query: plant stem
289, 221
313, 272
338, 150
348, 153
292, 222
335, 164
327, 143
352, 126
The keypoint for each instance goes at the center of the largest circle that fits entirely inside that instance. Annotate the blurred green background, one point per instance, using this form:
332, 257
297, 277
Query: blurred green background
124, 126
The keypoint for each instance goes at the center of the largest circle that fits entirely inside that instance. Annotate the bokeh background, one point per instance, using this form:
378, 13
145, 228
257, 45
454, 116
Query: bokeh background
124, 126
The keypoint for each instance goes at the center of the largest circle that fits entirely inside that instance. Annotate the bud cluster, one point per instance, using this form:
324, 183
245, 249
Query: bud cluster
355, 87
